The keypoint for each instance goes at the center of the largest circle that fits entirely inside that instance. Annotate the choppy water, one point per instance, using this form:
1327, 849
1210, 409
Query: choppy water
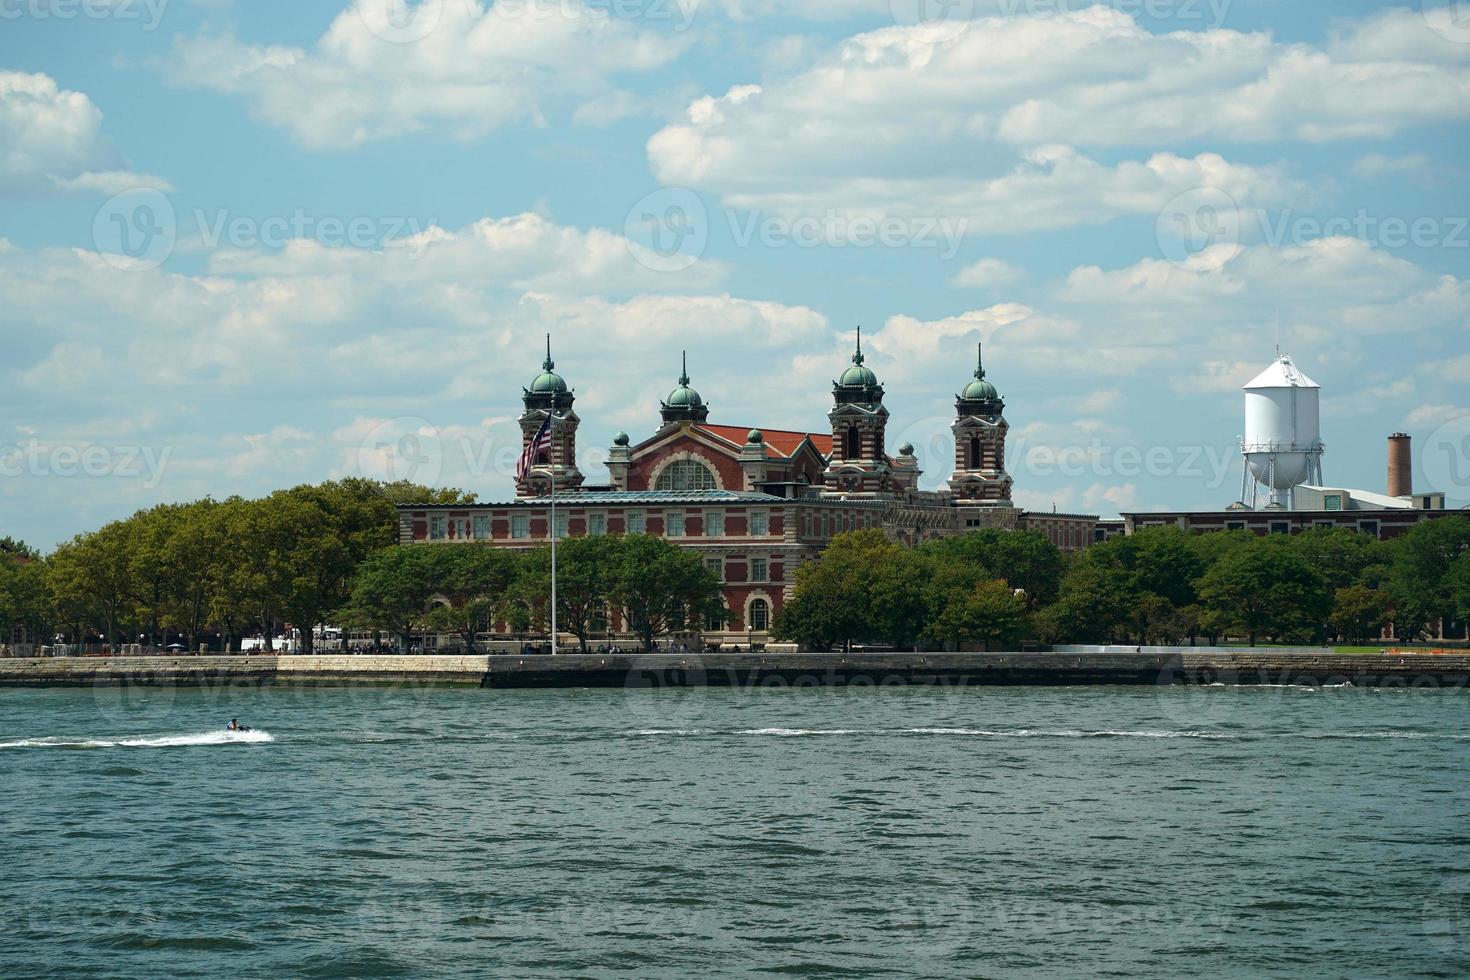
897, 832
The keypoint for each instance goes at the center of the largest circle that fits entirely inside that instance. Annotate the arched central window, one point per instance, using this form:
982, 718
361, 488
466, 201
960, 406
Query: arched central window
760, 615
686, 474
974, 452
853, 448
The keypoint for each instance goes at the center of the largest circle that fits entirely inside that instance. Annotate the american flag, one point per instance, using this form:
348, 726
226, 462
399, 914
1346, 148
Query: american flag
539, 443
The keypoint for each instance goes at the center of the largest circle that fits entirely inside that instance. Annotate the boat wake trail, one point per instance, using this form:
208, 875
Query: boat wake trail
142, 742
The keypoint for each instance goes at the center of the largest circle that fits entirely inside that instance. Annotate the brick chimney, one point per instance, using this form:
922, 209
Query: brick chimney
1400, 466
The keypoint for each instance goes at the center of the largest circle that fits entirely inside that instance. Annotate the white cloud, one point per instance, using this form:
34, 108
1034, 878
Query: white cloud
988, 274
1427, 415
453, 66
1341, 283
51, 140
1376, 165
987, 126
521, 252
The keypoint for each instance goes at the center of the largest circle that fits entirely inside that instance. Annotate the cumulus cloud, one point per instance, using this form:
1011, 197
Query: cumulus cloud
51, 140
460, 67
988, 274
521, 252
1003, 123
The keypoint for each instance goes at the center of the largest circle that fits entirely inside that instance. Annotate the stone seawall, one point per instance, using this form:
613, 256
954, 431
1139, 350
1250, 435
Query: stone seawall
980, 669
240, 670
1202, 666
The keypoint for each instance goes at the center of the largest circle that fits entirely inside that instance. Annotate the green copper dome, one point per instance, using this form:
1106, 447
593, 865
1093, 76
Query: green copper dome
684, 396
548, 382
980, 390
684, 403
858, 376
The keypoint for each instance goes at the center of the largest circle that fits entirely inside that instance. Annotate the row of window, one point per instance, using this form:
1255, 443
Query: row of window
830, 525
1284, 527
759, 618
757, 569
442, 527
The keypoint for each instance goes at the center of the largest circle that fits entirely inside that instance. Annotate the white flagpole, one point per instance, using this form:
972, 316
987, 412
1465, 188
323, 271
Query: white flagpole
551, 430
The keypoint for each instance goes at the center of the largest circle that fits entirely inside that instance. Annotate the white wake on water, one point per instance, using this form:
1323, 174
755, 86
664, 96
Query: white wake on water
143, 742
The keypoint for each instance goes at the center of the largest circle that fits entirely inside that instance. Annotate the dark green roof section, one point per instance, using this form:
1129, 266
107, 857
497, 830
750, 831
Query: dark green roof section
618, 498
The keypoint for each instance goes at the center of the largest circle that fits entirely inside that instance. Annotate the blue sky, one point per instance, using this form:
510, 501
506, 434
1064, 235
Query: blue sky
249, 245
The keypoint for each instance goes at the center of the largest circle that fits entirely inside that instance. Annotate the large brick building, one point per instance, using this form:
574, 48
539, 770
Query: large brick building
753, 502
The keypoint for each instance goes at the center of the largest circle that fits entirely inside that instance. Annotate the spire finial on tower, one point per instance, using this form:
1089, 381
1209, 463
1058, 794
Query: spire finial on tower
857, 357
684, 368
980, 361
548, 364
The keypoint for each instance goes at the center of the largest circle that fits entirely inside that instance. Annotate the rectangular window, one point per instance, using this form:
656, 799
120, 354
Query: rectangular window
715, 621
759, 571
1280, 527
437, 525
520, 526
714, 524
674, 524
716, 565
1235, 525
638, 523
1332, 501
1368, 527
561, 526
1326, 524
760, 523
596, 524
482, 527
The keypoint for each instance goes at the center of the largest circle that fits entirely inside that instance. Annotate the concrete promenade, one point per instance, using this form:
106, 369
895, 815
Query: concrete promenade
1201, 665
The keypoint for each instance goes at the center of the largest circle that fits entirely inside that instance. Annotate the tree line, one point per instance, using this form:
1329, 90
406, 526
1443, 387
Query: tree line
195, 569
467, 589
326, 553
215, 571
1158, 585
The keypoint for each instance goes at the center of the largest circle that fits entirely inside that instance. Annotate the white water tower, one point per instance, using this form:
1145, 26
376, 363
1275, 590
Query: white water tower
1283, 439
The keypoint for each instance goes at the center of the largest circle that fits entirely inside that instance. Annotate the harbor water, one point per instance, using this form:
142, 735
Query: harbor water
422, 831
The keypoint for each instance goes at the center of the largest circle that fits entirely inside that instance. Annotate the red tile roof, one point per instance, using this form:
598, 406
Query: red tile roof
781, 441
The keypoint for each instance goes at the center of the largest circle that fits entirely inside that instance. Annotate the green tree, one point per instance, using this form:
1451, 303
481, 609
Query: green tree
91, 578
990, 613
1360, 613
1458, 582
392, 589
1346, 557
476, 582
196, 556
661, 587
804, 620
25, 612
862, 588
1268, 588
1095, 604
1027, 560
587, 573
1419, 579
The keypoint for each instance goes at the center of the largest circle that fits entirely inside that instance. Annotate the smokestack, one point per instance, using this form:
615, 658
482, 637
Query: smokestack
1400, 466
